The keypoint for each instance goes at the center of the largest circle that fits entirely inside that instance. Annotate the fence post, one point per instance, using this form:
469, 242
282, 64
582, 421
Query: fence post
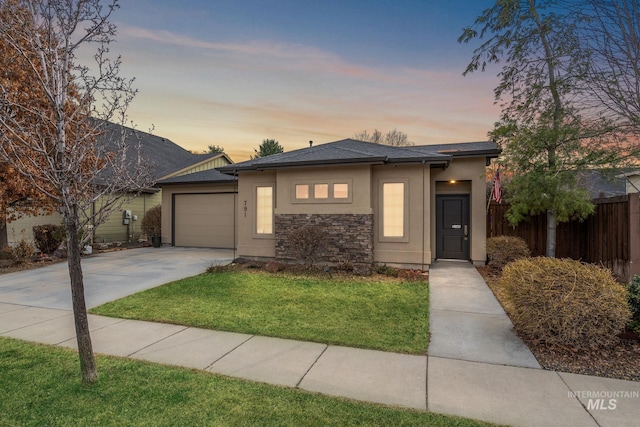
634, 235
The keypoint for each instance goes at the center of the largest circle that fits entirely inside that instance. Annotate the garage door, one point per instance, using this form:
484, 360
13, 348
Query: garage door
204, 220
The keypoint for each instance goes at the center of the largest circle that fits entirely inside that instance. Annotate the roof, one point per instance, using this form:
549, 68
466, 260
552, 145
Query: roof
350, 151
601, 183
203, 177
160, 155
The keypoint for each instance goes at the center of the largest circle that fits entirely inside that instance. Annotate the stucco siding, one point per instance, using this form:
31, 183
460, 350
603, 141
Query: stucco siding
470, 174
249, 244
415, 249
358, 177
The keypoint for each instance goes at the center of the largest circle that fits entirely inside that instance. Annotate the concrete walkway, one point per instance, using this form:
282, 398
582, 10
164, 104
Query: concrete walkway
450, 383
467, 322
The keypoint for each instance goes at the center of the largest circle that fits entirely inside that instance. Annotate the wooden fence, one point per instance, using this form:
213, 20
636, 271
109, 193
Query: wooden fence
610, 237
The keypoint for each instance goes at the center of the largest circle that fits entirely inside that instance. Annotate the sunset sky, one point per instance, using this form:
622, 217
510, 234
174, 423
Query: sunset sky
234, 72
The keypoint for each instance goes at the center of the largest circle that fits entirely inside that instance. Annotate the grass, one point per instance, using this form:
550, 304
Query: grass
387, 315
40, 385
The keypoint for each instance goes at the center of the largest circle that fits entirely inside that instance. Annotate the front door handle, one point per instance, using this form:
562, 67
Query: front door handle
466, 231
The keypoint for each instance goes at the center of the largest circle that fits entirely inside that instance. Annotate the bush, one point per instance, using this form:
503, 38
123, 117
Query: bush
48, 237
633, 298
502, 250
565, 302
388, 271
307, 242
152, 222
22, 252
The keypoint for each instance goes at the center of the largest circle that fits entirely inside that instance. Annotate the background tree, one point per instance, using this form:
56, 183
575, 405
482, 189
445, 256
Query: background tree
267, 148
611, 33
214, 149
17, 195
394, 138
546, 131
52, 114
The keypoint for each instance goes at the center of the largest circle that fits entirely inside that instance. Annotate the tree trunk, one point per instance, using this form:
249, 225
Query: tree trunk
551, 233
3, 233
83, 337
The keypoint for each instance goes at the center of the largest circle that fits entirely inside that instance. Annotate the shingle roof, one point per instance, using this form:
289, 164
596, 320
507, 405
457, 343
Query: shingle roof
349, 151
160, 155
603, 182
203, 177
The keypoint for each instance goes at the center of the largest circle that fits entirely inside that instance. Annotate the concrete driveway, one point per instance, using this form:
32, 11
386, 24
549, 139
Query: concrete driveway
108, 276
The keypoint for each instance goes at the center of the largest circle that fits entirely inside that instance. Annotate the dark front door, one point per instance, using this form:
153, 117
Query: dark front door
452, 227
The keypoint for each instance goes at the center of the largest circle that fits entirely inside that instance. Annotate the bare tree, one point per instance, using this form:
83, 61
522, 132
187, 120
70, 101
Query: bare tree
53, 133
375, 137
394, 138
611, 32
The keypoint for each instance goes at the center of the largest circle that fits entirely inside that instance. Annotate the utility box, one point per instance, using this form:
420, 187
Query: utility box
126, 217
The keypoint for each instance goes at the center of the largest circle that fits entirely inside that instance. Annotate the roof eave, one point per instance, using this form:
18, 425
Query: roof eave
296, 164
422, 159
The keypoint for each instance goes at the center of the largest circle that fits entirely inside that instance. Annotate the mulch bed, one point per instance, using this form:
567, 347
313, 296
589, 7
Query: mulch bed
7, 266
621, 361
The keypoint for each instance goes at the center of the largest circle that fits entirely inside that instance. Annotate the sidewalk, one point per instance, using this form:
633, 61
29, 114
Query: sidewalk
446, 382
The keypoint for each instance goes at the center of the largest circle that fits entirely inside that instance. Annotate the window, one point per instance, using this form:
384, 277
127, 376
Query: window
341, 191
264, 210
321, 191
302, 191
393, 201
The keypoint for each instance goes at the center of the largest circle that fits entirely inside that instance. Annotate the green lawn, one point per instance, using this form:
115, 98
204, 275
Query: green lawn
40, 385
387, 314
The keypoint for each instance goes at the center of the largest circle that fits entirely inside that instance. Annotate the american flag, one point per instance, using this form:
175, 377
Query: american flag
496, 194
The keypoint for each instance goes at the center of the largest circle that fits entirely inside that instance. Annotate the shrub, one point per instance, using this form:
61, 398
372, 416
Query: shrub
48, 237
22, 252
633, 298
152, 221
6, 253
565, 302
388, 271
307, 242
502, 250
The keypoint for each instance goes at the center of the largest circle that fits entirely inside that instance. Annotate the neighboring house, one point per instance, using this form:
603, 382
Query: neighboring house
602, 183
632, 181
401, 206
163, 158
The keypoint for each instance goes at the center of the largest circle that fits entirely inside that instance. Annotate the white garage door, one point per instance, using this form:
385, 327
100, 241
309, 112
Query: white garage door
204, 220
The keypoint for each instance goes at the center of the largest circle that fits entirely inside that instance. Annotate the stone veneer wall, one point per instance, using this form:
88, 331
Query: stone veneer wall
350, 236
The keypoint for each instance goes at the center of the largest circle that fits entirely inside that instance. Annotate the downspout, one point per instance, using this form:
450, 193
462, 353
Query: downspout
235, 219
424, 204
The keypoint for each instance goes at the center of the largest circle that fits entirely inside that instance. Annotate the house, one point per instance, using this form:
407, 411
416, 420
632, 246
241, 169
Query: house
164, 159
401, 206
632, 181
